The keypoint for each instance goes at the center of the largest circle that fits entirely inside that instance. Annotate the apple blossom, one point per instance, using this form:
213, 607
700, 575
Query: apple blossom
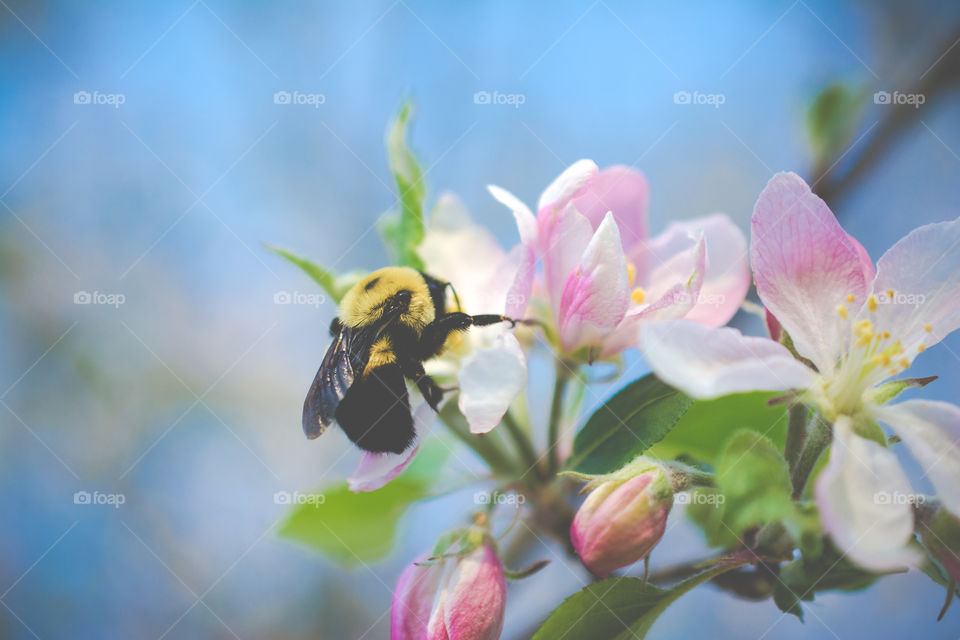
621, 520
604, 276
454, 597
851, 327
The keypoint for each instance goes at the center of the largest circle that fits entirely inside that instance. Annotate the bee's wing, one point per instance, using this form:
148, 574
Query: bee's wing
347, 353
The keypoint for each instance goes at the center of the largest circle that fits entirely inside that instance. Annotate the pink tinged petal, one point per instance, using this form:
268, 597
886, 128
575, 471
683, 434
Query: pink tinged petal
773, 327
705, 362
624, 191
923, 272
526, 222
562, 249
476, 597
726, 278
413, 599
377, 469
565, 187
862, 496
490, 380
805, 265
619, 525
595, 296
931, 430
670, 303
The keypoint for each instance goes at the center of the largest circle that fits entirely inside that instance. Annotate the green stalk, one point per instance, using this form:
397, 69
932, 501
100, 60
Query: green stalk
487, 446
798, 415
563, 375
528, 455
819, 438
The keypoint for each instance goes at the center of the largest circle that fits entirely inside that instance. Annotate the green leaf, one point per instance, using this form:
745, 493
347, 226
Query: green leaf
832, 119
806, 576
708, 424
334, 286
628, 424
620, 608
753, 489
754, 478
402, 231
352, 528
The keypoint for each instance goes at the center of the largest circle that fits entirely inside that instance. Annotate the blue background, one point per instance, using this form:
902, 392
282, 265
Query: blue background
168, 198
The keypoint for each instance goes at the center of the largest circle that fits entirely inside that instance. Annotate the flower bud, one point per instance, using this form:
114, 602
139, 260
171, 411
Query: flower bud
622, 520
940, 533
454, 598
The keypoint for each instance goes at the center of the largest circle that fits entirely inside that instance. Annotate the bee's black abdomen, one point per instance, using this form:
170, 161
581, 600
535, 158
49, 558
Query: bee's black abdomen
375, 413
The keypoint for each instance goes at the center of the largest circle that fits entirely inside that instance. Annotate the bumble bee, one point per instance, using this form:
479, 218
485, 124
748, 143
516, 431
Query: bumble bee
390, 323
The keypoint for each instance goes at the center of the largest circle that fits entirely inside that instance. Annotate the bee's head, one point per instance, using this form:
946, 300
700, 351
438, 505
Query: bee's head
396, 293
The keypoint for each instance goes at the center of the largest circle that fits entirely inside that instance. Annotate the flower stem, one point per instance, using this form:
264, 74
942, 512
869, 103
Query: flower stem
487, 446
818, 439
528, 455
563, 374
798, 416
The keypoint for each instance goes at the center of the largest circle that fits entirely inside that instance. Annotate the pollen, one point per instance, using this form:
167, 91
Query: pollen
872, 302
631, 273
927, 328
890, 294
864, 332
886, 335
638, 295
842, 311
921, 348
850, 298
904, 363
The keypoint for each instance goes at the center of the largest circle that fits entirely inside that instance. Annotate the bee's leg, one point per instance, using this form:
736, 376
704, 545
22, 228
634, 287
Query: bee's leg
335, 327
435, 334
429, 389
490, 318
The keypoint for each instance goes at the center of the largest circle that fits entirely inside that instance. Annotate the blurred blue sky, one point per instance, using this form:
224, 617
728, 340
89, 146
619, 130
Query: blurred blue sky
186, 398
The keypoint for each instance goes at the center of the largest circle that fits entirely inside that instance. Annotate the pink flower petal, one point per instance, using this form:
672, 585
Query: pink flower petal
562, 249
595, 295
726, 276
413, 600
805, 265
862, 495
566, 186
624, 191
377, 469
476, 597
705, 362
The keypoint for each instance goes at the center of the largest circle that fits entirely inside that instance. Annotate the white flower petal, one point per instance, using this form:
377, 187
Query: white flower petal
706, 362
922, 271
526, 222
490, 380
931, 430
862, 495
567, 185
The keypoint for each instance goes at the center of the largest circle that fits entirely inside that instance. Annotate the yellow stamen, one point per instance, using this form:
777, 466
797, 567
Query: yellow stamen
904, 363
921, 348
890, 294
928, 328
631, 273
872, 302
842, 311
886, 335
638, 295
850, 298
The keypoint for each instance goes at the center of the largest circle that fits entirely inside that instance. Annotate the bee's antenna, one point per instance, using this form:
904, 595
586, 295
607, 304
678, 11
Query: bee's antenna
455, 297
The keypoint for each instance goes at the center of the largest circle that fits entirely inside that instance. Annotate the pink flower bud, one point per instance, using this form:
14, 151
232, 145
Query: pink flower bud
454, 599
621, 521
